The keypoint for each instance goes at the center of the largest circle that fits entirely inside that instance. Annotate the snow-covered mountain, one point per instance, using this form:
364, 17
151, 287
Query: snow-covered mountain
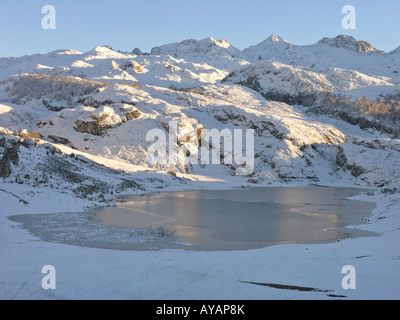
314, 110
272, 47
73, 136
343, 52
218, 53
350, 43
274, 79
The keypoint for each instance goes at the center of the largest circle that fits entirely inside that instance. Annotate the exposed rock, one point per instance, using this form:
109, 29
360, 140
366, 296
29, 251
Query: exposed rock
9, 148
6, 132
59, 140
356, 171
50, 148
371, 166
25, 134
342, 161
363, 121
389, 191
254, 180
350, 43
91, 127
134, 114
28, 143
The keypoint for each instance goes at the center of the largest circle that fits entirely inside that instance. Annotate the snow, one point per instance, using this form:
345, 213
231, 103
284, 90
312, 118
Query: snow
219, 54
92, 149
87, 273
327, 52
279, 78
350, 43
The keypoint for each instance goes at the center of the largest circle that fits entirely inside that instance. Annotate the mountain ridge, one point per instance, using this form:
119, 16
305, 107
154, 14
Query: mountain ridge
349, 42
313, 108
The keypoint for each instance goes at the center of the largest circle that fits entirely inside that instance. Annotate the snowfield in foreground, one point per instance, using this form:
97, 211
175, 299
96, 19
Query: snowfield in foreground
87, 273
73, 136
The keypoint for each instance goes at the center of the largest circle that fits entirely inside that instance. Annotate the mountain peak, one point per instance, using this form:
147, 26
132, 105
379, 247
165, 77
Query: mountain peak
103, 52
220, 43
106, 48
271, 47
350, 43
192, 46
66, 52
275, 38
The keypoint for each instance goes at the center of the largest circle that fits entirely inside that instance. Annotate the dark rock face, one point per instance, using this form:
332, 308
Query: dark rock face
91, 127
60, 140
341, 161
9, 148
306, 100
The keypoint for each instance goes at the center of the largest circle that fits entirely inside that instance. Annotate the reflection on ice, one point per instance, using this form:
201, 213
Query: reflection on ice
244, 218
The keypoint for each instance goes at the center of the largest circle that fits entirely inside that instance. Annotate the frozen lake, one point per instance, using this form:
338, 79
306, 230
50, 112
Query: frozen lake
244, 218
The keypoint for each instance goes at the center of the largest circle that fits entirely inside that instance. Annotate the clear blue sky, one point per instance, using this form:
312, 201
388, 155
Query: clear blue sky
126, 24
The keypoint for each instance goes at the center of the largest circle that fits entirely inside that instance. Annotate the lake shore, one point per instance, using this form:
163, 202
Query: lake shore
88, 273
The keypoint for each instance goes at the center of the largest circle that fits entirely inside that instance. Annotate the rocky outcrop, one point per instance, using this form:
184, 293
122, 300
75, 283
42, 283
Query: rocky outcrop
280, 82
91, 127
9, 148
350, 43
342, 161
373, 166
60, 140
134, 114
103, 119
45, 166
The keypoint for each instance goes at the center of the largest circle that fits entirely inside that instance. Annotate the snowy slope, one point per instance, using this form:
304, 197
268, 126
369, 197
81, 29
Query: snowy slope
220, 54
349, 43
342, 52
73, 132
274, 79
126, 95
272, 47
288, 143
